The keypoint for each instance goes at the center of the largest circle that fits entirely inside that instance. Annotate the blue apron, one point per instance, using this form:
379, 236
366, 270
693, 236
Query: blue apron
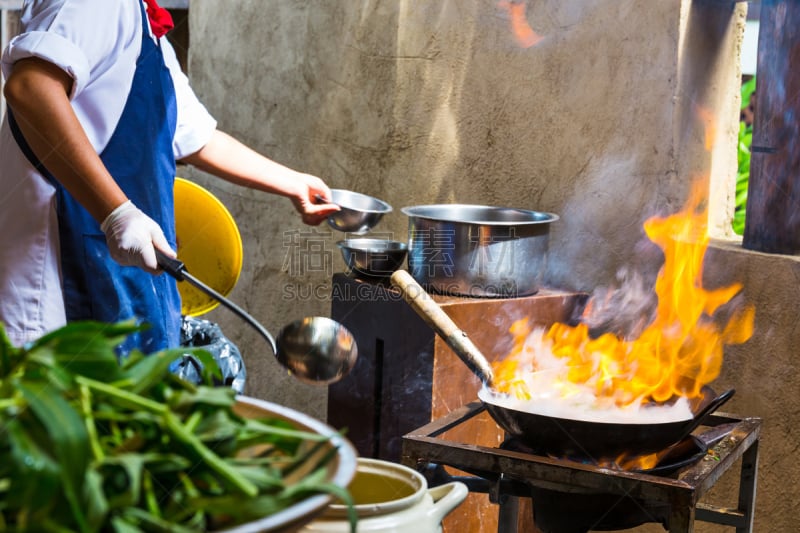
139, 156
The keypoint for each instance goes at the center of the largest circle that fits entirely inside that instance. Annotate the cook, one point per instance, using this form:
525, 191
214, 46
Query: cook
97, 115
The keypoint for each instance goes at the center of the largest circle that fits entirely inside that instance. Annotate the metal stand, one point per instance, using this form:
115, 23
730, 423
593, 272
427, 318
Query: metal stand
672, 499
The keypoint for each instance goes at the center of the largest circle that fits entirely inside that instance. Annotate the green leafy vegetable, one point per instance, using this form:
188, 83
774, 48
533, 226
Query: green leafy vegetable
88, 445
743, 155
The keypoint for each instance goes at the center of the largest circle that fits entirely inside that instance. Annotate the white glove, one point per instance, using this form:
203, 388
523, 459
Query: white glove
131, 236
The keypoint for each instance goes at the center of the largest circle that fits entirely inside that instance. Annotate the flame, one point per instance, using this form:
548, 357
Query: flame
625, 461
520, 28
678, 353
639, 462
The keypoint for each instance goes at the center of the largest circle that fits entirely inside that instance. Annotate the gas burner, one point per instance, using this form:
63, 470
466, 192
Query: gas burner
686, 452
573, 497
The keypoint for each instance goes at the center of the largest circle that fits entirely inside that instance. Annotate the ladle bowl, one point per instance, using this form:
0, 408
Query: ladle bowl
315, 350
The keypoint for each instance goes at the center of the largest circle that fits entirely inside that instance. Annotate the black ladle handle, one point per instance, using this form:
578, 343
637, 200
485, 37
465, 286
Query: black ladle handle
176, 269
173, 267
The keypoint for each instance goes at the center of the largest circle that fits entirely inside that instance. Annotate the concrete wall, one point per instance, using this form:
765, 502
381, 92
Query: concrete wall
434, 101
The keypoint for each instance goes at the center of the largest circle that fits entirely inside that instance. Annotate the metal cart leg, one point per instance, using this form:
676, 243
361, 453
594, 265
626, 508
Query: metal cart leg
747, 487
681, 518
508, 514
742, 516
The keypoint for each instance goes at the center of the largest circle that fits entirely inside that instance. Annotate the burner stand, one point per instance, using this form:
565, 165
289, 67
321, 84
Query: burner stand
508, 475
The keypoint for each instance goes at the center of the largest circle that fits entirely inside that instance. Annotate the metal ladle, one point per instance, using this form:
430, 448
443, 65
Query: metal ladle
314, 349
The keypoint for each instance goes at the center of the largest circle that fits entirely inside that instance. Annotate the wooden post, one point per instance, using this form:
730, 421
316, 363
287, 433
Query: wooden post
773, 203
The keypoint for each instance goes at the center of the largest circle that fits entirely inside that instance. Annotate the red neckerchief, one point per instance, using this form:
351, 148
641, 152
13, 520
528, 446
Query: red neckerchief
160, 19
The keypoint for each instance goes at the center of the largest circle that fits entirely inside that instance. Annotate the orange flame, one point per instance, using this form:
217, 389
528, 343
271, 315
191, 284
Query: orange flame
679, 351
630, 461
522, 31
641, 462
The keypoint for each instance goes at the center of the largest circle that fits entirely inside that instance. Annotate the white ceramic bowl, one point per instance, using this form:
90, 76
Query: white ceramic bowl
341, 468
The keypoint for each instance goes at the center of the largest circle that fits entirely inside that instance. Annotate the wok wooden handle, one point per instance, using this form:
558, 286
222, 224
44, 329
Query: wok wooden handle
435, 317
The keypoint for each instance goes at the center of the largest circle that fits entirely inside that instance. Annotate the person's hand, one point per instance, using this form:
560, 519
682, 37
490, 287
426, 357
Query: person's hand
312, 199
131, 237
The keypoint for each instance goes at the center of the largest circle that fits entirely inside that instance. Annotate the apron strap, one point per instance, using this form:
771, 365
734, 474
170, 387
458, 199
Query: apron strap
26, 149
16, 132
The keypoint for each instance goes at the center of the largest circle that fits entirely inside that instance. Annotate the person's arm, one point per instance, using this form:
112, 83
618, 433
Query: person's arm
229, 159
37, 92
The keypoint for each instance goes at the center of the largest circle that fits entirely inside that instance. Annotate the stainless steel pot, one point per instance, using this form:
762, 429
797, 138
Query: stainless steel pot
477, 250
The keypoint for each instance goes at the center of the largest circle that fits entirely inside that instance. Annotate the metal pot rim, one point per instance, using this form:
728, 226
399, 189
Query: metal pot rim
372, 245
359, 202
477, 214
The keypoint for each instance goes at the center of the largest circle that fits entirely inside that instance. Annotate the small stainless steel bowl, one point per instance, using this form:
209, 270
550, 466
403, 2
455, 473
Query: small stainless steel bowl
376, 258
359, 213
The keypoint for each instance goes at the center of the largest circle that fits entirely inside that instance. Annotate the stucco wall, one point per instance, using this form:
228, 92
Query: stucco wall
434, 101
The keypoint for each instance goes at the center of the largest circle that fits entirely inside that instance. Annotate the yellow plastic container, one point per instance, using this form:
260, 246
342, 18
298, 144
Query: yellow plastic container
209, 244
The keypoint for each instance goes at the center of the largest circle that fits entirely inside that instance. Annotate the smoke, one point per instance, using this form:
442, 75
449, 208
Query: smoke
600, 230
624, 310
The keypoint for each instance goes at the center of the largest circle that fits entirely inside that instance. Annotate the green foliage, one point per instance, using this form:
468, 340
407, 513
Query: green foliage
743, 149
89, 445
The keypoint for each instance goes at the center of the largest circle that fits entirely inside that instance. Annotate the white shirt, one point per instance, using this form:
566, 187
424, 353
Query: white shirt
97, 43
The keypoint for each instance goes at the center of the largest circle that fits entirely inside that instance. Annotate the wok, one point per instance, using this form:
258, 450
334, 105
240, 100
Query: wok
563, 437
547, 435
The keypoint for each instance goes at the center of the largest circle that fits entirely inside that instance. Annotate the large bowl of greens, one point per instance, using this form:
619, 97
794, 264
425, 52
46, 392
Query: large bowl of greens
328, 463
91, 444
